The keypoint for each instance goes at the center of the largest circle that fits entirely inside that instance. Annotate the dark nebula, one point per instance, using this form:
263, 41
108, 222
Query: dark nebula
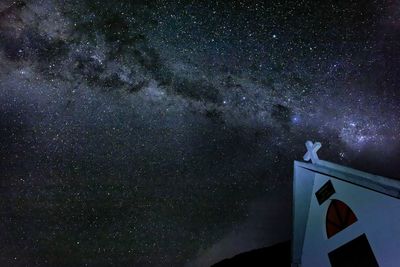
156, 133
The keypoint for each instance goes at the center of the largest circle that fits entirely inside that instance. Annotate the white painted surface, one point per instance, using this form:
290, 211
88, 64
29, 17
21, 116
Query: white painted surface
378, 217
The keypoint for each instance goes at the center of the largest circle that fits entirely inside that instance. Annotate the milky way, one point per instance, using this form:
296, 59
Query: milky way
155, 133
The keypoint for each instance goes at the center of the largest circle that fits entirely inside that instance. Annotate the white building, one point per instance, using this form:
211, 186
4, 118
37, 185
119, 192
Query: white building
343, 217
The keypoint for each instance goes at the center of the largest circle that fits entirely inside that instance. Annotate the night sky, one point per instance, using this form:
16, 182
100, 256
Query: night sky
163, 133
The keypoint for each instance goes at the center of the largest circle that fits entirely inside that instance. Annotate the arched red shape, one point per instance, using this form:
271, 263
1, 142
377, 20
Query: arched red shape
338, 217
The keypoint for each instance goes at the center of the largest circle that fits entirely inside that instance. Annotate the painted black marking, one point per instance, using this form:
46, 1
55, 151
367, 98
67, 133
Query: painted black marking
356, 253
325, 192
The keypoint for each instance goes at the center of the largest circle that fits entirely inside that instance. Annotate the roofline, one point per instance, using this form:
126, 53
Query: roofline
376, 183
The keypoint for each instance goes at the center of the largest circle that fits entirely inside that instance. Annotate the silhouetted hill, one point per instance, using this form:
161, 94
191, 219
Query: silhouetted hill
276, 255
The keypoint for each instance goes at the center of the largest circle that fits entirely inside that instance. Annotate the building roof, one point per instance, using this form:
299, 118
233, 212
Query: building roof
303, 181
376, 183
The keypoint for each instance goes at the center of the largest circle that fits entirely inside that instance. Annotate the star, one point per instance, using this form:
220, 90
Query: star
127, 121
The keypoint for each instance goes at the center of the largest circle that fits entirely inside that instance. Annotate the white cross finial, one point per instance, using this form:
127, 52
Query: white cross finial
312, 149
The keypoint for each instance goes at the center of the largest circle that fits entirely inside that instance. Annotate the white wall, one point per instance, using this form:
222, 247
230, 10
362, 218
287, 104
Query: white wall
378, 217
